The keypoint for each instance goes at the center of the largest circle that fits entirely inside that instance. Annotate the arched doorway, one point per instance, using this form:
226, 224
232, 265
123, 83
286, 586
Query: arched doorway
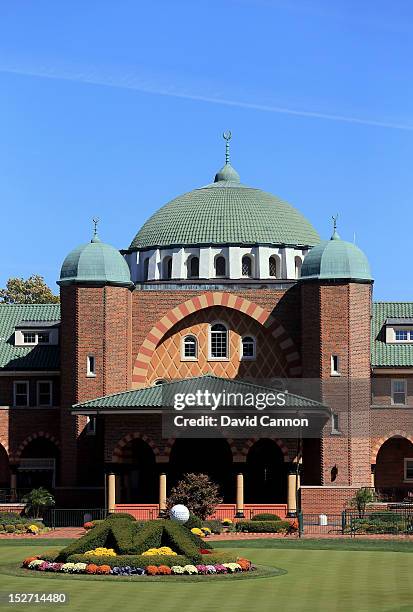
137, 474
203, 456
394, 468
4, 469
266, 474
38, 465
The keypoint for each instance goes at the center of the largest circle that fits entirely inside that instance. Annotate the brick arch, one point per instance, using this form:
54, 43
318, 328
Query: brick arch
250, 443
34, 436
379, 443
4, 444
117, 451
207, 300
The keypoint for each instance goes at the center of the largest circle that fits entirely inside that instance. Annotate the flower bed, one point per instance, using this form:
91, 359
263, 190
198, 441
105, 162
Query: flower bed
13, 523
40, 565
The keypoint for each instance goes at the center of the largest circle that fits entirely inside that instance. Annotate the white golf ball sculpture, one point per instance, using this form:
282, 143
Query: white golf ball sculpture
179, 513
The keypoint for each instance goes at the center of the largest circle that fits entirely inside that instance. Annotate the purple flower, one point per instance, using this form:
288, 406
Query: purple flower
221, 569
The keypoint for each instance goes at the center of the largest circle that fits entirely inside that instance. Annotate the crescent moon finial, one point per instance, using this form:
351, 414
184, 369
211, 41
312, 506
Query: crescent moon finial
95, 221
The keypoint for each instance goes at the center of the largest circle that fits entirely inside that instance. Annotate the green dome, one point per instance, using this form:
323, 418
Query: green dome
336, 259
95, 263
226, 212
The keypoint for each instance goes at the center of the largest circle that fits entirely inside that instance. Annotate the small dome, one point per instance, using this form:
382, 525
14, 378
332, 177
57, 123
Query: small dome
336, 259
95, 263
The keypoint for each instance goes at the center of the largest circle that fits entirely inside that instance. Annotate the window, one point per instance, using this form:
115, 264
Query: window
91, 366
91, 426
401, 335
248, 348
190, 348
398, 391
335, 365
408, 469
29, 337
44, 393
146, 269
220, 266
167, 268
246, 266
298, 264
43, 338
274, 265
335, 423
21, 393
218, 341
194, 267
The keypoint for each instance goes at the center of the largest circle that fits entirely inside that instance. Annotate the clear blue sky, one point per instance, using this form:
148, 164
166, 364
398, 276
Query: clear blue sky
113, 108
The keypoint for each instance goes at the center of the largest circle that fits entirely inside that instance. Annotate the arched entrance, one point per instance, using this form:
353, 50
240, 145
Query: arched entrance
266, 474
4, 468
137, 474
38, 465
203, 456
393, 472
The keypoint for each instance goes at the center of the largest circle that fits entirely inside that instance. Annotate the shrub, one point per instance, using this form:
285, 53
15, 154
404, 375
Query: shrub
363, 497
265, 516
214, 526
198, 493
37, 501
262, 526
192, 522
10, 528
120, 515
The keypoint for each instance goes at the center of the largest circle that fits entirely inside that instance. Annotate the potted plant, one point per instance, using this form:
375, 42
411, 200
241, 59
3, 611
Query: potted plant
37, 501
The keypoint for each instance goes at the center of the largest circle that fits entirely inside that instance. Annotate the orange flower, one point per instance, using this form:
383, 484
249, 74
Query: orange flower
244, 563
29, 560
91, 568
165, 570
103, 569
152, 570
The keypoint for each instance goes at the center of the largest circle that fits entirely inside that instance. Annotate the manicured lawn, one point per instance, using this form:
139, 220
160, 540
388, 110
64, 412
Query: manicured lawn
335, 579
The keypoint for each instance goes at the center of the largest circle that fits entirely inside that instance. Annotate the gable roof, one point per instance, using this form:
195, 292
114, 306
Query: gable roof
27, 357
154, 397
390, 355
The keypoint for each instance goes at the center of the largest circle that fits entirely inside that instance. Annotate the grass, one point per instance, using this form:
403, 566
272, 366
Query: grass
331, 576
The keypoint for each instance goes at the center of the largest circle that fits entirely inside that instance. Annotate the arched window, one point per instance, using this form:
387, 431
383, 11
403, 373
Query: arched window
218, 341
246, 266
146, 269
248, 347
190, 348
220, 266
298, 264
193, 267
274, 265
167, 268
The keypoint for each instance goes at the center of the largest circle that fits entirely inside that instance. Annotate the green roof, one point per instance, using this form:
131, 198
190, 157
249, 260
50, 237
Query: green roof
226, 212
153, 397
95, 263
336, 259
27, 357
389, 355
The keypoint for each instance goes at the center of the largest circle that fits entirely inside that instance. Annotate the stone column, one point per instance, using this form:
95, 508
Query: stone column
111, 491
13, 486
373, 475
240, 495
293, 486
162, 494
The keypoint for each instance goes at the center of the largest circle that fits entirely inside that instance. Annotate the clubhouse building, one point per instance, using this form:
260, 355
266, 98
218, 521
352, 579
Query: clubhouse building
225, 287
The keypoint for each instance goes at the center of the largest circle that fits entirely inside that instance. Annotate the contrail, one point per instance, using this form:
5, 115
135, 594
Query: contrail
129, 82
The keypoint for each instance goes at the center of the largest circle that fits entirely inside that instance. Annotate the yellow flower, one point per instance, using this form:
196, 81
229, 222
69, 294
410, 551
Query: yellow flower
197, 531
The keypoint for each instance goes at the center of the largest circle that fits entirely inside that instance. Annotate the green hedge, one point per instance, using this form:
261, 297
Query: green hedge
132, 560
120, 515
92, 539
192, 522
265, 516
214, 526
262, 526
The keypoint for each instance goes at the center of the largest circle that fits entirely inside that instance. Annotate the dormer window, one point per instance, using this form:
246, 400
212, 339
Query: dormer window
399, 330
33, 333
36, 337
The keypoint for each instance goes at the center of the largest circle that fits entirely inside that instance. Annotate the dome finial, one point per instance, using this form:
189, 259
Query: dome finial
95, 222
335, 235
227, 137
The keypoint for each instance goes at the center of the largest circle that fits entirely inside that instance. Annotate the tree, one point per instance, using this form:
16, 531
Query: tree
363, 497
37, 501
198, 493
31, 291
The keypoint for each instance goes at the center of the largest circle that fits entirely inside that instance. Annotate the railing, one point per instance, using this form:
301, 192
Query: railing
141, 512
12, 496
320, 525
72, 517
144, 512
